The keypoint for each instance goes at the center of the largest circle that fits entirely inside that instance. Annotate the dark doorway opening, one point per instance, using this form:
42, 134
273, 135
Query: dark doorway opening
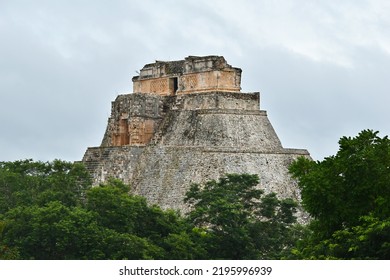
173, 85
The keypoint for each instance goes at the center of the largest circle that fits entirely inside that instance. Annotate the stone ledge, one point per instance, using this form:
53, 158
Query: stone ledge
236, 94
225, 111
235, 150
116, 147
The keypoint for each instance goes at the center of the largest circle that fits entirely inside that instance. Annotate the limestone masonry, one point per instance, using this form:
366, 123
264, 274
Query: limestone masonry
188, 122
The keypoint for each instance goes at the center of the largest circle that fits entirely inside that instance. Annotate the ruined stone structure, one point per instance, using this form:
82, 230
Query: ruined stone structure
187, 121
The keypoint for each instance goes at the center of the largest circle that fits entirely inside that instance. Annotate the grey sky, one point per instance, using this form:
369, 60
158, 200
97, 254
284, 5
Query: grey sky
322, 67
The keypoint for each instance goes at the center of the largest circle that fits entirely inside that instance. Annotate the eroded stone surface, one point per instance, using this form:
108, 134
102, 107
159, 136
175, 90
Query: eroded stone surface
171, 133
193, 74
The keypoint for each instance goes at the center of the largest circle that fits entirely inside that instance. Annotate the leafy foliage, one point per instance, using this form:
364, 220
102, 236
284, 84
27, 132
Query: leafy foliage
131, 217
27, 182
237, 221
50, 211
348, 195
54, 231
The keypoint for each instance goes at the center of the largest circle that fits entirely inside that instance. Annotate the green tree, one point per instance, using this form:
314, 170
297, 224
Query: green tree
27, 182
127, 246
185, 245
234, 220
348, 196
160, 233
54, 231
29, 191
6, 252
124, 212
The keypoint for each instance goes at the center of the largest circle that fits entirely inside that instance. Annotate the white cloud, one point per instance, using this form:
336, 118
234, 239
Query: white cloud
324, 31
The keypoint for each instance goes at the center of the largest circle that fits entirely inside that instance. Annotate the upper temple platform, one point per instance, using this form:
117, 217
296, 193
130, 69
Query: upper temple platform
194, 74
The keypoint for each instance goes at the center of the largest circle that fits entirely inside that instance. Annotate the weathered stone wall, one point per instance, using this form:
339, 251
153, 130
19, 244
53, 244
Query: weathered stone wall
226, 80
199, 145
217, 100
193, 74
116, 162
197, 137
134, 119
188, 123
161, 86
165, 173
234, 129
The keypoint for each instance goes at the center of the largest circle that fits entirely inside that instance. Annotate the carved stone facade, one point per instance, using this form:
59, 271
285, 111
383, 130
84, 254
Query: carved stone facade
134, 119
193, 74
187, 122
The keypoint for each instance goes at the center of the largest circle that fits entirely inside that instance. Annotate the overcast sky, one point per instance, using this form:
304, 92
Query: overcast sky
322, 67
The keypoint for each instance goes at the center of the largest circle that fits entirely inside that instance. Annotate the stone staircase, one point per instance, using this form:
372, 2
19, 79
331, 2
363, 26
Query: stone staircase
171, 105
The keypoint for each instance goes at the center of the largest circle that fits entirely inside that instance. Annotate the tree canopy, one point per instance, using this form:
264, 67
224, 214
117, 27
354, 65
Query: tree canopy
29, 182
348, 196
50, 211
239, 221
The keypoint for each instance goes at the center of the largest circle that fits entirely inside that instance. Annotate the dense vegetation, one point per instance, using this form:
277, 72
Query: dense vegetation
348, 196
49, 210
